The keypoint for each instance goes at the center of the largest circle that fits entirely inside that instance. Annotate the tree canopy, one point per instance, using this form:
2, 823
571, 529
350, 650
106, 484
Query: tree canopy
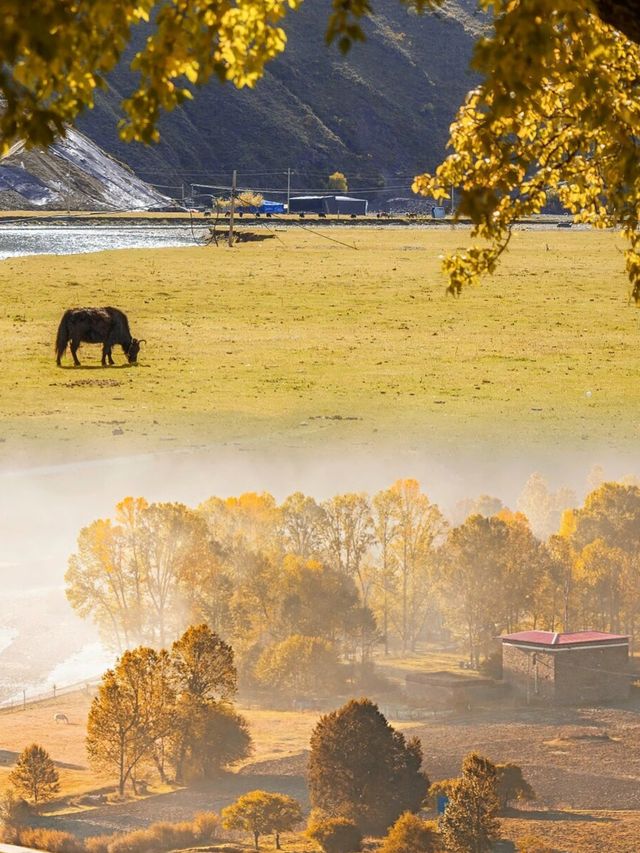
557, 110
35, 775
161, 709
363, 769
263, 813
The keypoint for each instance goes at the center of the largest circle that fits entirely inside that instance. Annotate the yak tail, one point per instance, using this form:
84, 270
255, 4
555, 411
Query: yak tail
62, 338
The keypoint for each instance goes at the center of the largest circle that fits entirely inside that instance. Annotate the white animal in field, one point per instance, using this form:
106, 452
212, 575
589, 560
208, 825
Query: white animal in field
61, 718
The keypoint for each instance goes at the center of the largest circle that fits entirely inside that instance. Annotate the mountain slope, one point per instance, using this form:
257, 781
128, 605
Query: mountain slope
382, 113
74, 173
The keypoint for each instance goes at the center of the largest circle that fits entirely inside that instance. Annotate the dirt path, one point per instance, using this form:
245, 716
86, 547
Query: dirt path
177, 805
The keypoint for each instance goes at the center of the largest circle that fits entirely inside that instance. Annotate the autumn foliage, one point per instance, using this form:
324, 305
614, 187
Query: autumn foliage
299, 587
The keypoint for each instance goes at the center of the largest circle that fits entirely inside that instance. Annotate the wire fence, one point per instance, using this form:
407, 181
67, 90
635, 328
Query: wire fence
26, 698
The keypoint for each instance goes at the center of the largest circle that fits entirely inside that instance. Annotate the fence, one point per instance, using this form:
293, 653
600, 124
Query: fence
24, 699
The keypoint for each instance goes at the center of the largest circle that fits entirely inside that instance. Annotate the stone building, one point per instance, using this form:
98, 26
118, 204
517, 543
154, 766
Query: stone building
439, 690
580, 668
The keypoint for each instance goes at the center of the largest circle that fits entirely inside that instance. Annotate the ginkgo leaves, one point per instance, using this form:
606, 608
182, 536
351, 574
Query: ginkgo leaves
558, 111
55, 59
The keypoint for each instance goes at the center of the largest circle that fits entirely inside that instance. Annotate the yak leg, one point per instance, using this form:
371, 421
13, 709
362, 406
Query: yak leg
73, 346
106, 355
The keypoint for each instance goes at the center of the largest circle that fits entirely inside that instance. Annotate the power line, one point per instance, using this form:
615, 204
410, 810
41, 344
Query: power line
305, 191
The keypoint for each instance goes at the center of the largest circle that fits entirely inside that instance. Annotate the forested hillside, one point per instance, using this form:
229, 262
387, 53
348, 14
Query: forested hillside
382, 113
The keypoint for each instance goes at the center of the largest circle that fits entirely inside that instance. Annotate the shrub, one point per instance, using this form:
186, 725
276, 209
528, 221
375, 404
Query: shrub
97, 844
14, 813
132, 842
206, 827
335, 834
411, 834
159, 836
166, 836
491, 666
51, 840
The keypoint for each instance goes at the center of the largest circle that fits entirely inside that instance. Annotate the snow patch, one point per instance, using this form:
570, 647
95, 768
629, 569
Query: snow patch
121, 188
16, 178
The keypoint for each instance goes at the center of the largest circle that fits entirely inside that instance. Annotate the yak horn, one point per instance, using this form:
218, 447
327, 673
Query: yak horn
142, 341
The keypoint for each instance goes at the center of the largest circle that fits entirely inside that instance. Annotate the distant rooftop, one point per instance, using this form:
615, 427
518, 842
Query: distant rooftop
577, 638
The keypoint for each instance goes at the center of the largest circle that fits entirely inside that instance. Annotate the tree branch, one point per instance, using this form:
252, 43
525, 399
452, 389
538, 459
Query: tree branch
623, 15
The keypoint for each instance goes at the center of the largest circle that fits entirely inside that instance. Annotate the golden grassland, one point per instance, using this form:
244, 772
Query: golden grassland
590, 769
276, 734
579, 831
298, 341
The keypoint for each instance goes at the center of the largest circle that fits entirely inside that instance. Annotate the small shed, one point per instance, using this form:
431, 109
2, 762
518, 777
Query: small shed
445, 689
307, 204
583, 667
346, 205
341, 204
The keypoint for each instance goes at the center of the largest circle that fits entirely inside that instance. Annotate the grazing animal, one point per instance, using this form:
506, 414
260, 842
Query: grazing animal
61, 718
106, 326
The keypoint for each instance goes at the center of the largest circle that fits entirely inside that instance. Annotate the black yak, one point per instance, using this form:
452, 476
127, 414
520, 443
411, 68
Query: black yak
106, 326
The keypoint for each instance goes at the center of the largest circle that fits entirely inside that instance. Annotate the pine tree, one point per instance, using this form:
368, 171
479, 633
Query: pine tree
35, 775
362, 769
469, 824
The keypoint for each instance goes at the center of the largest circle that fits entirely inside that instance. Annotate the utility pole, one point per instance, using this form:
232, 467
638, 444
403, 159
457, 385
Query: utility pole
288, 188
68, 189
232, 207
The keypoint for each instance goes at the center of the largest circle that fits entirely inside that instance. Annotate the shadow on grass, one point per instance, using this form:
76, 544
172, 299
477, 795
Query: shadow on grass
97, 366
8, 758
557, 814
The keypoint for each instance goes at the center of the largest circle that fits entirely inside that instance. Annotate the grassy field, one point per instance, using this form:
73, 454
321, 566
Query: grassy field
299, 341
584, 765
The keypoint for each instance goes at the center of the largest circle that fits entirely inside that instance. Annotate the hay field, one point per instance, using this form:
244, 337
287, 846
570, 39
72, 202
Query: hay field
298, 341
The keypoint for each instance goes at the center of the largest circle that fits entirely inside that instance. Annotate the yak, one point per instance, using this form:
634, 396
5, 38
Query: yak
106, 326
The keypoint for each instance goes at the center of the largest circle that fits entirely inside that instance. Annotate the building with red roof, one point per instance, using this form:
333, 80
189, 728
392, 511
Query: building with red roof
573, 668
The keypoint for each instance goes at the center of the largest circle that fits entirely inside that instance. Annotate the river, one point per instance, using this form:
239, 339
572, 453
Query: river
21, 240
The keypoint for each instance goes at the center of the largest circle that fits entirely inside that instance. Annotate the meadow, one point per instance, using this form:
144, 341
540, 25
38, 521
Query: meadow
572, 757
300, 341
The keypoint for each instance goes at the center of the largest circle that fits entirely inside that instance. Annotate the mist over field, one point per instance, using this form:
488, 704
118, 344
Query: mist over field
42, 509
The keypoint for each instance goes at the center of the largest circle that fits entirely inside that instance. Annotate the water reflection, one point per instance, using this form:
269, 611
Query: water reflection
17, 241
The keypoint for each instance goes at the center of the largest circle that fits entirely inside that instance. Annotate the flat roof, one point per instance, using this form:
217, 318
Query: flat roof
576, 638
445, 678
